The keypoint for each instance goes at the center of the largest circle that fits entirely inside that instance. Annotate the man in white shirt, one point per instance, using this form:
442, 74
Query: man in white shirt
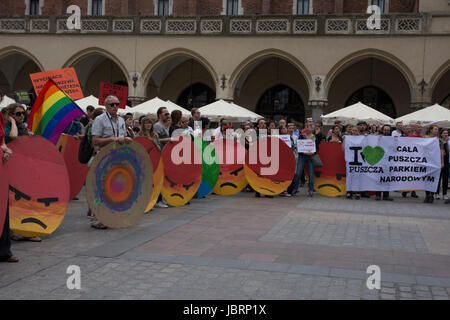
398, 130
108, 127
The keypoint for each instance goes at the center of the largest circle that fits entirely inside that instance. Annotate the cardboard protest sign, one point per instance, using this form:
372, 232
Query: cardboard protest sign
108, 89
182, 171
269, 166
306, 145
329, 180
119, 184
210, 167
158, 168
381, 163
66, 79
39, 191
68, 146
22, 96
231, 156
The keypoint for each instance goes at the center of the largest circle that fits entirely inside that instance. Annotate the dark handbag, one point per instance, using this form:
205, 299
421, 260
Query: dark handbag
316, 162
85, 150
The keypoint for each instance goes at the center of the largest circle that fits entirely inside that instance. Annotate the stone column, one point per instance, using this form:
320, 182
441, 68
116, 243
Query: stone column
223, 90
317, 98
317, 107
136, 90
420, 97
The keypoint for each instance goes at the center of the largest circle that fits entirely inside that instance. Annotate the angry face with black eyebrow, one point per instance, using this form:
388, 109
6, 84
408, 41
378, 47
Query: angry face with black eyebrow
231, 156
39, 188
181, 180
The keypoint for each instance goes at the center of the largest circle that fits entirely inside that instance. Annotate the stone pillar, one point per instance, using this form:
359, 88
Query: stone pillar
420, 97
223, 90
136, 90
317, 107
317, 98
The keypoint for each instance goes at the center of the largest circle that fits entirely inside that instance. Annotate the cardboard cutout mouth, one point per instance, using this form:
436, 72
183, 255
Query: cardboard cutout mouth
330, 186
36, 221
229, 184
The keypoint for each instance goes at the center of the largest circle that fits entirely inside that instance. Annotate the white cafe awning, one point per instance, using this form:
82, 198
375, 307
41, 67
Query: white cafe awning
230, 111
357, 112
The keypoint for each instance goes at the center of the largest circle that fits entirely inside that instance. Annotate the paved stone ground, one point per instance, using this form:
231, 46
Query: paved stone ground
242, 247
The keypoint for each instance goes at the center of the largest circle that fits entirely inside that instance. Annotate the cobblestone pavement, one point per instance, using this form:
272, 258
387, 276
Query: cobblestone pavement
242, 247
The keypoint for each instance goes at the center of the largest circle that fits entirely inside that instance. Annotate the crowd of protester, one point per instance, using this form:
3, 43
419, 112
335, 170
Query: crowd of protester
102, 126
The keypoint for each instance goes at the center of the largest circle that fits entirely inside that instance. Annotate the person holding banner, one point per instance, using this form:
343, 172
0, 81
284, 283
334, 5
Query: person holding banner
5, 242
433, 132
284, 131
413, 130
444, 172
353, 131
416, 130
307, 146
106, 128
386, 130
14, 128
398, 132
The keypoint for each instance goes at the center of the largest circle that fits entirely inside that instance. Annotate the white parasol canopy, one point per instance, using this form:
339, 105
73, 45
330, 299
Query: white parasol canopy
151, 107
6, 101
93, 101
355, 113
434, 114
88, 101
230, 111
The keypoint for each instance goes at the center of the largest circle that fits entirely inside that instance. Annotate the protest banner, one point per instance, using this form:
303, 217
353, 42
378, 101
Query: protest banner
285, 137
306, 145
22, 96
66, 79
381, 163
109, 89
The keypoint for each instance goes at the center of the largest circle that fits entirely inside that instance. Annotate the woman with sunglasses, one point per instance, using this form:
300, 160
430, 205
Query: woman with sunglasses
15, 127
15, 122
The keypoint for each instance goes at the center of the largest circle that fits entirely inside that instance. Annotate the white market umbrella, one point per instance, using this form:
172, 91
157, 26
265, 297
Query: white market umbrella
6, 101
93, 101
355, 113
230, 111
434, 114
88, 101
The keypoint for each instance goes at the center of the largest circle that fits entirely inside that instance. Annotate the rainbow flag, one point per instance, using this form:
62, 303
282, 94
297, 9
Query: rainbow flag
52, 112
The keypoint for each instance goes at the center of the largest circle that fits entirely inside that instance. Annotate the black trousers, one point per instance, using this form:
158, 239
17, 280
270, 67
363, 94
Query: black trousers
385, 194
444, 178
5, 241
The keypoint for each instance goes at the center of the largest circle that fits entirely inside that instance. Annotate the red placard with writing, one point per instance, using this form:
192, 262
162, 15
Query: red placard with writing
109, 89
66, 79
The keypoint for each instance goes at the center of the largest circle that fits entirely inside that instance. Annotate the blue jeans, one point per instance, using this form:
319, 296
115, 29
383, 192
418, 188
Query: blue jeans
302, 161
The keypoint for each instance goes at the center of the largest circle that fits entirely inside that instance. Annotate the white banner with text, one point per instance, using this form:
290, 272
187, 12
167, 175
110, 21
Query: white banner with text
382, 163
